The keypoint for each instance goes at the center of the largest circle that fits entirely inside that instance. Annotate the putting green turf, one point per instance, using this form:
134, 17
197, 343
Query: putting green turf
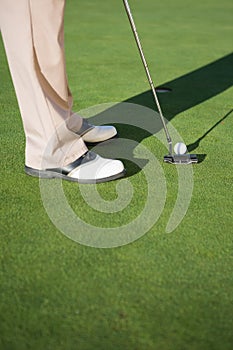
165, 291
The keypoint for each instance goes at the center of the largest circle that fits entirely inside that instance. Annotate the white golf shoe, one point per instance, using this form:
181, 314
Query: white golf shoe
88, 169
99, 133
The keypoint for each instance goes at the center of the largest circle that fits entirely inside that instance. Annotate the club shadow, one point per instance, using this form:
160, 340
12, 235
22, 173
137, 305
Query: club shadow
191, 147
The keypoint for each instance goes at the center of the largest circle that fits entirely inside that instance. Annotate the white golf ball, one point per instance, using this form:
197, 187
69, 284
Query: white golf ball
180, 148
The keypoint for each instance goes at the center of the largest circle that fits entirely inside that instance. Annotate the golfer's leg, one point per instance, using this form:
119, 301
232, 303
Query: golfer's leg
48, 141
48, 38
47, 18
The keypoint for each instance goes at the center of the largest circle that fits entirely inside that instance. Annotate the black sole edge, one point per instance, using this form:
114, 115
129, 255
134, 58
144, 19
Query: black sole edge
42, 174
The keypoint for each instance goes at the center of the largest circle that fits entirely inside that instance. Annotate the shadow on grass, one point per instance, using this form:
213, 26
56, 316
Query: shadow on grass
187, 91
193, 88
190, 90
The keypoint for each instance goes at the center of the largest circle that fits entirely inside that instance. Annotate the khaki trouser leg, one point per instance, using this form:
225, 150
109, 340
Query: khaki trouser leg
37, 67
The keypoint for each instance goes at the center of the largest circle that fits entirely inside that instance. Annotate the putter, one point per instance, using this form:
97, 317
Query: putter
170, 158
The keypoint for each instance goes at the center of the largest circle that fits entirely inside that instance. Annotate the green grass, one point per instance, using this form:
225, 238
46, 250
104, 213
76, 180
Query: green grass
164, 291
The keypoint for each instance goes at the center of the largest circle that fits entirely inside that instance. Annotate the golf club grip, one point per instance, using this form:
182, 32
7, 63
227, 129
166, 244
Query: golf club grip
133, 26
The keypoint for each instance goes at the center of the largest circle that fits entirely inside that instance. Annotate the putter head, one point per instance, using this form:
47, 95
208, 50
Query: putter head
181, 158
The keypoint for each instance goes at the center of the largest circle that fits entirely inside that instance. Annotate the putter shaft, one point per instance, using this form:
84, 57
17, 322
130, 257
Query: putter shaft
134, 29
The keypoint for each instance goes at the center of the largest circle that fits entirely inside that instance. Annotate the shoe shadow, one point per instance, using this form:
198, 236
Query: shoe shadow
119, 148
